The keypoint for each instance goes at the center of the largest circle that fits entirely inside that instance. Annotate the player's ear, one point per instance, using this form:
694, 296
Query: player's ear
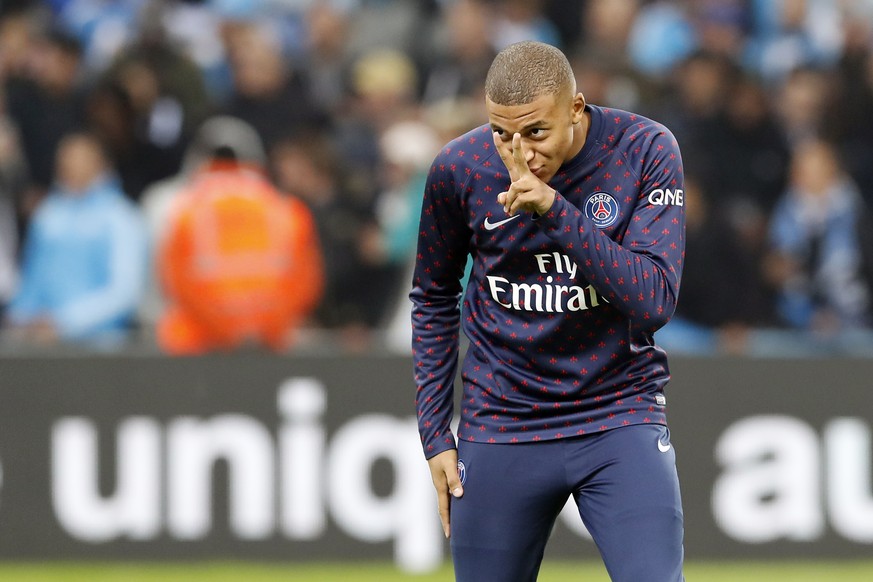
578, 108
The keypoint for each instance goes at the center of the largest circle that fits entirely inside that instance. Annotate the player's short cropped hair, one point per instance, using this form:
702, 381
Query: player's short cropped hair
525, 70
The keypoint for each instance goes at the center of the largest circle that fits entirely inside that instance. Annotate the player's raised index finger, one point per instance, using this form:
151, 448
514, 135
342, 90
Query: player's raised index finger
519, 157
508, 160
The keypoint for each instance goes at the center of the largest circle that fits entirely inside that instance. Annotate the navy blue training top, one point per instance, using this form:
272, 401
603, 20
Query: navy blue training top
561, 309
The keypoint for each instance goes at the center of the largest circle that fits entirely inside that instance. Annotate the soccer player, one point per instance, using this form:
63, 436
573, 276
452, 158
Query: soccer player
573, 216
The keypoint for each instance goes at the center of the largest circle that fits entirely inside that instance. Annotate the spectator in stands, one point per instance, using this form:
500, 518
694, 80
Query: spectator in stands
821, 243
396, 25
802, 101
694, 109
723, 292
602, 59
721, 26
849, 122
607, 26
790, 34
85, 254
267, 92
748, 137
325, 61
384, 85
158, 199
662, 35
167, 96
382, 92
667, 31
103, 28
308, 166
461, 54
112, 116
240, 263
16, 42
409, 148
194, 30
46, 103
609, 82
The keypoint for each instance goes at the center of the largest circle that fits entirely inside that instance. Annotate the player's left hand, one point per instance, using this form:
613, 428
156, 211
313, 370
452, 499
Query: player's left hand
447, 482
527, 192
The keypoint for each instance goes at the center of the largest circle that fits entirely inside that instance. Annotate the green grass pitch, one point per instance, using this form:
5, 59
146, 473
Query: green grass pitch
551, 572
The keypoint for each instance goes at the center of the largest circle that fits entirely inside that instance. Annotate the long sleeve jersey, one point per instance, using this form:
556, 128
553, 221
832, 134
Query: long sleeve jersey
560, 309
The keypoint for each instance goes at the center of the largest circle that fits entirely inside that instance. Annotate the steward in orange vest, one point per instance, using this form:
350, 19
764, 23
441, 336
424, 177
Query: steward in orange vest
240, 263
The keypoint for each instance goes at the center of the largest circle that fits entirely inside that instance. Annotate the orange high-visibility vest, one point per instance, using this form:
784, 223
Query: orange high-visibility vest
240, 264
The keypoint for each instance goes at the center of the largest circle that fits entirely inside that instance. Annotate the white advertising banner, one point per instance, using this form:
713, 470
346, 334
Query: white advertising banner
318, 458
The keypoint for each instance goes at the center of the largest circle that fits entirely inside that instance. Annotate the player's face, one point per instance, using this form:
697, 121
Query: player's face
550, 130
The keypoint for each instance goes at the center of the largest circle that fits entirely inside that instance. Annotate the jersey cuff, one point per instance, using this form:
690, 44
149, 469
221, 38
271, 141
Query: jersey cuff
440, 445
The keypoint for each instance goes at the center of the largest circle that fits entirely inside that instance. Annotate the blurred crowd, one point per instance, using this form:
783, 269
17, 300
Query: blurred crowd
211, 174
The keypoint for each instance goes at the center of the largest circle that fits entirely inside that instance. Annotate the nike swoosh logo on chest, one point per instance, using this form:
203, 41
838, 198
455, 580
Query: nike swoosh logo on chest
492, 225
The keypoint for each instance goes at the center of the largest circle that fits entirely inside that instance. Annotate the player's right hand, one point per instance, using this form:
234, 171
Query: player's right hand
527, 192
444, 472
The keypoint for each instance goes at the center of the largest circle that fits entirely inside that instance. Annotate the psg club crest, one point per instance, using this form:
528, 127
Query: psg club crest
602, 209
462, 472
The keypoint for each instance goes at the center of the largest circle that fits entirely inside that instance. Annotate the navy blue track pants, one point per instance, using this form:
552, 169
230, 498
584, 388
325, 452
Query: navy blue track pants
624, 483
